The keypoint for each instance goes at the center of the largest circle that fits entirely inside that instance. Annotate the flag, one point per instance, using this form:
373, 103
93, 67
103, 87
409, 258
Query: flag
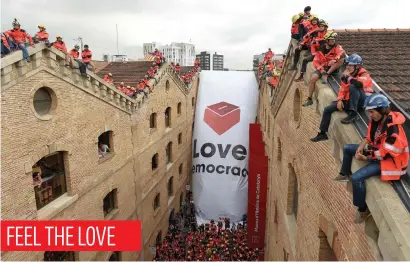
150, 57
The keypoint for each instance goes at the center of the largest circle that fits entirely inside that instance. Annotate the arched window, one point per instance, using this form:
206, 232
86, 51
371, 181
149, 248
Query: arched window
179, 108
167, 85
49, 178
168, 152
171, 186
153, 120
110, 202
180, 138
105, 144
168, 117
157, 201
193, 101
154, 162
180, 169
158, 239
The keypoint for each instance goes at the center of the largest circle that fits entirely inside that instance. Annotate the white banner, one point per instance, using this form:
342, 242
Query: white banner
226, 104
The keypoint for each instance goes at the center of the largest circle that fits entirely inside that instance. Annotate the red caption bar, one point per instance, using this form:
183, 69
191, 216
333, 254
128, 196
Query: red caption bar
71, 235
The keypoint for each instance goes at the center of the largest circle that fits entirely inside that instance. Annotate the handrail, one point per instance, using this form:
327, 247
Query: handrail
402, 187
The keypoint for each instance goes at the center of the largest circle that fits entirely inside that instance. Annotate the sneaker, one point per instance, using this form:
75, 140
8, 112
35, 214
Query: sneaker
341, 178
28, 60
320, 137
309, 102
349, 119
361, 216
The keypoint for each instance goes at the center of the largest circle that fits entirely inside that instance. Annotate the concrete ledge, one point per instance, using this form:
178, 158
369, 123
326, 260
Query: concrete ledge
390, 215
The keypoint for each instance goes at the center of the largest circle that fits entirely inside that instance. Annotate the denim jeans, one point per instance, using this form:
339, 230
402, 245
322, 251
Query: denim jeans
305, 61
357, 98
359, 177
4, 50
22, 47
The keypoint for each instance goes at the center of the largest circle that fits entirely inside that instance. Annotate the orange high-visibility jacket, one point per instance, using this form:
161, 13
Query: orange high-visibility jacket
42, 35
86, 55
60, 46
307, 39
74, 53
315, 44
107, 79
322, 60
393, 167
295, 28
274, 81
19, 36
363, 77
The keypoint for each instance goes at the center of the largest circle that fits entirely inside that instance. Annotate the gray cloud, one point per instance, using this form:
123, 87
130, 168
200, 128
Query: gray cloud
236, 29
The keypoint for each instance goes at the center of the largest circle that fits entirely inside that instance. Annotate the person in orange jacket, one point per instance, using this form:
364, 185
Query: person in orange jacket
356, 86
108, 78
20, 36
150, 72
41, 35
74, 54
60, 45
269, 54
197, 62
327, 62
5, 47
87, 56
307, 11
178, 68
385, 149
314, 40
121, 86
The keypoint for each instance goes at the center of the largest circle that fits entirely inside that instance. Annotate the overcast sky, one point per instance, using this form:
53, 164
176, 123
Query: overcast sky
236, 29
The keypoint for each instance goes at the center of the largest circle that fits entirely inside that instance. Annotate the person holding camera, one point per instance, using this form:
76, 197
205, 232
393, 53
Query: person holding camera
385, 148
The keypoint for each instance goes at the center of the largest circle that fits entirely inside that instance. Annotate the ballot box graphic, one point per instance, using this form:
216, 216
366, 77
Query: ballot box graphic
222, 116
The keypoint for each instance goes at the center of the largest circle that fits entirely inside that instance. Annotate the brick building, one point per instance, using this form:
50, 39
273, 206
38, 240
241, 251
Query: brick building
54, 118
310, 217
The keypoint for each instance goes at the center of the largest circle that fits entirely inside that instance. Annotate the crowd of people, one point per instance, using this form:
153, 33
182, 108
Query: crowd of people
385, 147
17, 38
268, 69
214, 241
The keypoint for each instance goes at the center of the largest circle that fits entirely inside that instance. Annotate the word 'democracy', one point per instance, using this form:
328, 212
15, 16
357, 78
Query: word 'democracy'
70, 235
220, 151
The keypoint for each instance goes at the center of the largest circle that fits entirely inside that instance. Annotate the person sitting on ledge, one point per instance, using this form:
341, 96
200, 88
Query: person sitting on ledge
327, 62
385, 147
19, 36
356, 86
87, 56
307, 11
303, 45
108, 78
5, 47
314, 41
41, 36
178, 68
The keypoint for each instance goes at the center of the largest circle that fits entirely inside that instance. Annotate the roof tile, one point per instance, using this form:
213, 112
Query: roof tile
386, 56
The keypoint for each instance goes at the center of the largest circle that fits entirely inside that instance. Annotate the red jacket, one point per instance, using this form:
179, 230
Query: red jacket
42, 35
394, 166
315, 44
363, 77
107, 79
307, 39
86, 55
60, 46
19, 36
321, 60
74, 53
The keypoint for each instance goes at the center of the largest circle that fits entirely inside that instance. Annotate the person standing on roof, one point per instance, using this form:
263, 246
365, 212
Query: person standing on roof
327, 62
20, 36
385, 148
296, 31
304, 44
269, 54
178, 68
121, 86
108, 78
307, 11
315, 42
86, 56
356, 86
41, 35
150, 72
